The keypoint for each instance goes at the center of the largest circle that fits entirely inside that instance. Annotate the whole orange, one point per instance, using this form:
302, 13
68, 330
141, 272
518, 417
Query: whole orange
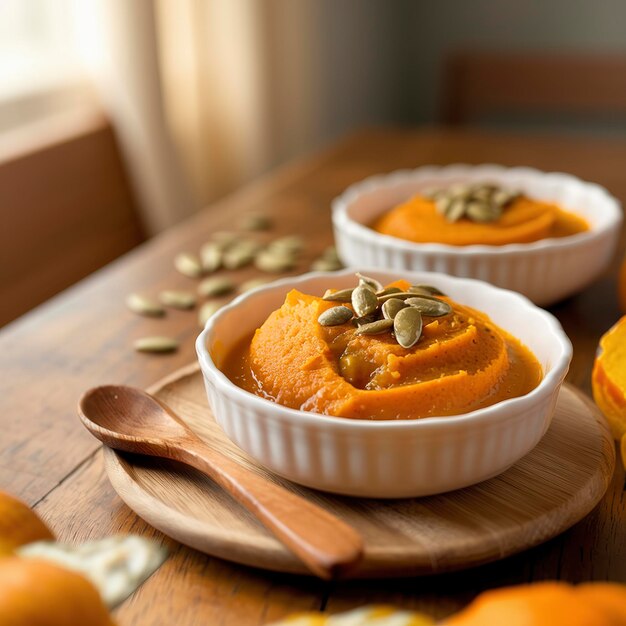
539, 604
38, 592
19, 524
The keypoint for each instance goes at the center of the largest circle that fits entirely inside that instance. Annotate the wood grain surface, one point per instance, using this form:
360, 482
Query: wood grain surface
82, 338
550, 489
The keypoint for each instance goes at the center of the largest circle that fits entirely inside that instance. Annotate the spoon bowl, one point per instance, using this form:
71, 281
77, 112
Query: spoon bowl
116, 414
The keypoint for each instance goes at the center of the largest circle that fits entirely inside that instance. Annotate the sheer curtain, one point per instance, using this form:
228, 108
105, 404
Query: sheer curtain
193, 92
206, 94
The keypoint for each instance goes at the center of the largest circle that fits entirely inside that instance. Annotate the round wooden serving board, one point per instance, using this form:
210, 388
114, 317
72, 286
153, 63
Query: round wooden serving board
545, 493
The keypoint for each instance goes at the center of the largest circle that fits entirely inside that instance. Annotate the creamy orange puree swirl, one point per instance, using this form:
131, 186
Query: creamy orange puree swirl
523, 221
461, 362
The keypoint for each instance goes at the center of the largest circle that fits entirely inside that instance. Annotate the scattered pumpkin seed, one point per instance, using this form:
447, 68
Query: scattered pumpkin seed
331, 254
370, 283
364, 300
143, 305
207, 310
211, 256
177, 299
225, 238
407, 326
335, 316
326, 265
391, 307
432, 308
343, 295
291, 243
240, 254
253, 283
156, 344
216, 286
274, 261
188, 264
375, 328
255, 221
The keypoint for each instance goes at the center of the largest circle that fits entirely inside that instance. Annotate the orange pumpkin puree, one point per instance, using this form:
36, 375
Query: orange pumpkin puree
524, 220
462, 362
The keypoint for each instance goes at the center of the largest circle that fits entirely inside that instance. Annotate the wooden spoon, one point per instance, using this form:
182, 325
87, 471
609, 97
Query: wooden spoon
129, 419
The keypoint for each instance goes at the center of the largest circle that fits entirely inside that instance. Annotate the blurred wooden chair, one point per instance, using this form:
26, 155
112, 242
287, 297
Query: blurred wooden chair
66, 207
477, 85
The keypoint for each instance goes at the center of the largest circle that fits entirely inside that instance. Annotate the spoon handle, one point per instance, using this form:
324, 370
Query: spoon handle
326, 544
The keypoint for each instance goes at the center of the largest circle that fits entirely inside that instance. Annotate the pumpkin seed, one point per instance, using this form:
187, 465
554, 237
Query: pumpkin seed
240, 254
388, 291
177, 299
407, 326
425, 290
482, 212
443, 203
211, 256
255, 221
502, 197
391, 307
370, 283
326, 265
364, 301
274, 261
253, 283
460, 190
366, 319
144, 306
335, 316
156, 344
188, 264
331, 254
432, 308
291, 243
455, 210
374, 328
343, 295
216, 286
206, 311
402, 295
482, 193
225, 238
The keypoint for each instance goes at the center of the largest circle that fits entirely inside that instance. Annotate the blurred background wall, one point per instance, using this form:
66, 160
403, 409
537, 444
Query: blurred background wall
118, 119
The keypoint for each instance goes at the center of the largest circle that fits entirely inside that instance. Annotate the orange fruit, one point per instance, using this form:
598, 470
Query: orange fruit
19, 524
609, 598
37, 592
539, 604
608, 379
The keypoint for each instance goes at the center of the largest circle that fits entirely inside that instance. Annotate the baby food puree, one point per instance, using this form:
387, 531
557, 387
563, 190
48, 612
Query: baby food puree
524, 220
461, 362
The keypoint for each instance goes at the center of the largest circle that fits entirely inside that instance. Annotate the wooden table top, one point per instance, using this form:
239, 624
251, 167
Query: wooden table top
83, 338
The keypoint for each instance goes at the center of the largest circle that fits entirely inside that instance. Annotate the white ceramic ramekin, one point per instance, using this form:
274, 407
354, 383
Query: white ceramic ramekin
385, 459
545, 271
